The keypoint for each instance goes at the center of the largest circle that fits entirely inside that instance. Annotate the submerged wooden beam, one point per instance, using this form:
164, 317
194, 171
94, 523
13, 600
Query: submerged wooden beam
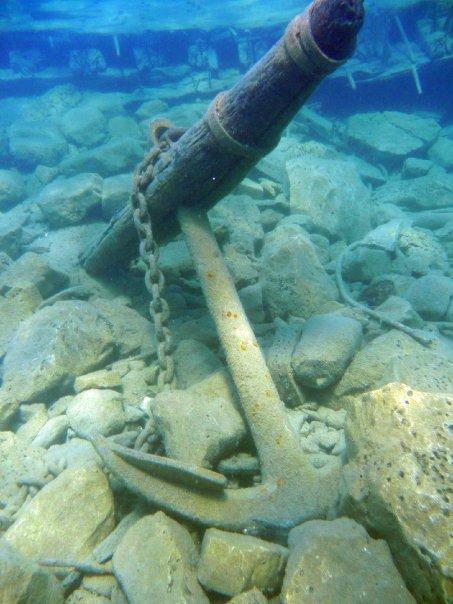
240, 127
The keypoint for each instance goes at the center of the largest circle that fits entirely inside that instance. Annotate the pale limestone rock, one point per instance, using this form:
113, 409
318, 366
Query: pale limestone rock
84, 126
201, 424
338, 561
17, 460
332, 194
68, 201
24, 582
291, 286
253, 596
231, 563
99, 411
52, 347
33, 268
193, 362
326, 347
16, 305
67, 518
102, 379
156, 562
391, 136
12, 188
396, 483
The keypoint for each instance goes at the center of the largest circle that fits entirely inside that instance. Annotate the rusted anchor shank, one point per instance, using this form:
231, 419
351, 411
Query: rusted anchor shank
240, 127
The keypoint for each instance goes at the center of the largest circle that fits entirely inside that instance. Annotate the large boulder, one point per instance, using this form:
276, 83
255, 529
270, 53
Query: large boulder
12, 188
396, 483
84, 126
435, 190
232, 563
52, 347
24, 582
391, 136
333, 561
11, 233
34, 143
332, 194
156, 561
68, 201
67, 518
237, 219
442, 152
293, 279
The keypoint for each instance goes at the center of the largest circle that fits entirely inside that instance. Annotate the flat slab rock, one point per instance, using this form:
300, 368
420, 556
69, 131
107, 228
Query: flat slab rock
333, 561
231, 563
67, 518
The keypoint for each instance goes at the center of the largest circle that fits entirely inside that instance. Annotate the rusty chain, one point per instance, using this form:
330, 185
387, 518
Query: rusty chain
163, 135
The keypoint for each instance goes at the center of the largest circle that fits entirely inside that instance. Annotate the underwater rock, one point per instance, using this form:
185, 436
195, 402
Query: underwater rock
273, 164
151, 109
16, 304
33, 143
431, 296
442, 152
201, 424
99, 411
156, 562
83, 596
231, 563
133, 334
12, 189
68, 201
18, 459
52, 347
253, 596
175, 260
252, 300
11, 233
332, 194
326, 347
401, 310
23, 582
33, 268
414, 167
71, 454
116, 192
278, 360
290, 285
84, 126
67, 518
123, 125
193, 363
87, 62
391, 136
397, 481
332, 561
102, 379
119, 155
236, 219
242, 266
427, 371
421, 252
435, 190
53, 431
370, 362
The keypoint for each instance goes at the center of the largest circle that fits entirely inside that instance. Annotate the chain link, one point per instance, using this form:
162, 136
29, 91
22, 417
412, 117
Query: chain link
163, 136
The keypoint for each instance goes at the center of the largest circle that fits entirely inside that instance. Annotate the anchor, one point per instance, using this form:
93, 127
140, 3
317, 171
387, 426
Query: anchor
191, 171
